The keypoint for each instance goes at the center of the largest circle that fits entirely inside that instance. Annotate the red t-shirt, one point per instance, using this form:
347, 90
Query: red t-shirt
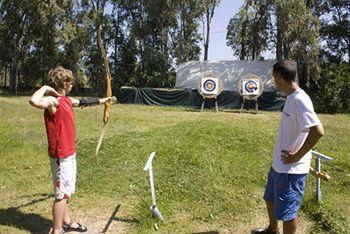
60, 129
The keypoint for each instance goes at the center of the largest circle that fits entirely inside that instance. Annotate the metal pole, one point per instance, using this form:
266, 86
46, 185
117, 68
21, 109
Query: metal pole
152, 185
318, 181
154, 209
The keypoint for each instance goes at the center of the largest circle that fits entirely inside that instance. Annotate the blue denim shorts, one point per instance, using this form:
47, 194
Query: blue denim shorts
286, 192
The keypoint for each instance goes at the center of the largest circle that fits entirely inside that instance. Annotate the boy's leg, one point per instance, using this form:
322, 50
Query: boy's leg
58, 210
64, 176
66, 216
290, 226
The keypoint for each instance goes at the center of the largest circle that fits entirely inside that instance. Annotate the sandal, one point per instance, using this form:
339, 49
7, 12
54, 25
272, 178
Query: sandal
68, 227
62, 231
267, 230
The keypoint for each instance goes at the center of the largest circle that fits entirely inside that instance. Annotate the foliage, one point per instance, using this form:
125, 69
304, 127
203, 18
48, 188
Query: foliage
287, 26
247, 32
335, 30
332, 90
145, 40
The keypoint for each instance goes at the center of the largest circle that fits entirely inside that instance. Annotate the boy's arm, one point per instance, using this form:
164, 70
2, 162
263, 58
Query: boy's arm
49, 102
91, 101
75, 102
315, 133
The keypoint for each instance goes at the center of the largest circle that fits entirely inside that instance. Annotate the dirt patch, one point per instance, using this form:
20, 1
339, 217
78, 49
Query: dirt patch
113, 220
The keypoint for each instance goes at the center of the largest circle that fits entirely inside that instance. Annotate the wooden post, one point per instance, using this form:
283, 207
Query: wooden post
242, 106
202, 107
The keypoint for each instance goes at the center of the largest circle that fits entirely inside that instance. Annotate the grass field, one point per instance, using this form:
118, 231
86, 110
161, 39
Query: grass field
210, 170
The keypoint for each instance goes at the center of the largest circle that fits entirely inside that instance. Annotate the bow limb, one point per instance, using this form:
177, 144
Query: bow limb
108, 90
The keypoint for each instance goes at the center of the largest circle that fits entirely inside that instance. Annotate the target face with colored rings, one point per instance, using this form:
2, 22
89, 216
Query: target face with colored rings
209, 85
251, 86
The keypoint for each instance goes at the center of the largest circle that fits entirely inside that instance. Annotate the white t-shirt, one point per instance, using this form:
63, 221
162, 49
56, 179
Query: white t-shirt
297, 118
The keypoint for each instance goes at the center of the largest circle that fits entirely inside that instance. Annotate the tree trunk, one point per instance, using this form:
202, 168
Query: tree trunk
5, 84
18, 82
116, 49
5, 70
285, 50
279, 43
349, 54
73, 67
14, 70
73, 57
182, 35
206, 44
115, 57
210, 13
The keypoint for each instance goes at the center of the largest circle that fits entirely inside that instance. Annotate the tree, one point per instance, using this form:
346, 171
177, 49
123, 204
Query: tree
15, 19
335, 28
72, 37
248, 30
184, 34
297, 38
208, 10
293, 32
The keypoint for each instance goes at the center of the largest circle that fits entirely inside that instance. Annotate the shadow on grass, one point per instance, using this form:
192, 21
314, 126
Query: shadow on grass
238, 111
31, 222
114, 218
222, 110
209, 232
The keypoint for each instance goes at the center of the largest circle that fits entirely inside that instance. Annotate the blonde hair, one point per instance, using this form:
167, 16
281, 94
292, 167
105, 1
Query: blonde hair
58, 76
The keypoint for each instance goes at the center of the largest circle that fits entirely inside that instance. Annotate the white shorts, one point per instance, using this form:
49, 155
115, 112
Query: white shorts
64, 172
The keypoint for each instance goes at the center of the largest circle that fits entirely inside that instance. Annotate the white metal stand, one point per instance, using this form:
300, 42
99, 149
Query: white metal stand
155, 211
319, 156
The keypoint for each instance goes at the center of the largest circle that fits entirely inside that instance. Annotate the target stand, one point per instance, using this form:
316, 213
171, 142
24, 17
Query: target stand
210, 88
250, 87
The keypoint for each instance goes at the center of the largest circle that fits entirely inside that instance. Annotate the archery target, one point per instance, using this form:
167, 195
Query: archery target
210, 86
250, 87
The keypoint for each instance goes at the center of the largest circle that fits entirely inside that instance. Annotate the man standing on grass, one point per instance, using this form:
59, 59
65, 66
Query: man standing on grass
60, 129
299, 131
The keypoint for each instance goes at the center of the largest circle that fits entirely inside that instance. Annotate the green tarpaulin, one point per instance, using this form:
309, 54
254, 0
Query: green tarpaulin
190, 97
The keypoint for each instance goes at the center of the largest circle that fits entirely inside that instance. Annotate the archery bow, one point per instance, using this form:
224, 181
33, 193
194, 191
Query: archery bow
108, 90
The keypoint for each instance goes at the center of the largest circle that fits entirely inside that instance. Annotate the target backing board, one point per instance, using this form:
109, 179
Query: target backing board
210, 86
250, 87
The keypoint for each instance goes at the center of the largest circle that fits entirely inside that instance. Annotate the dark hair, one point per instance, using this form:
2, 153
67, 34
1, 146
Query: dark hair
286, 68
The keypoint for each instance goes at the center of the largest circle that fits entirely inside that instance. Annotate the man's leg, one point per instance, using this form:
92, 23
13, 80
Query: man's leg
271, 212
58, 210
291, 192
290, 226
270, 205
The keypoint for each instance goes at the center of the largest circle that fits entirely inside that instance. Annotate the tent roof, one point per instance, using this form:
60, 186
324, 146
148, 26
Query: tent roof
230, 72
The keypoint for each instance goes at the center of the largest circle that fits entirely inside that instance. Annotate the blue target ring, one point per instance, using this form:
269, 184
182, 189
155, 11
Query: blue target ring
251, 86
209, 85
